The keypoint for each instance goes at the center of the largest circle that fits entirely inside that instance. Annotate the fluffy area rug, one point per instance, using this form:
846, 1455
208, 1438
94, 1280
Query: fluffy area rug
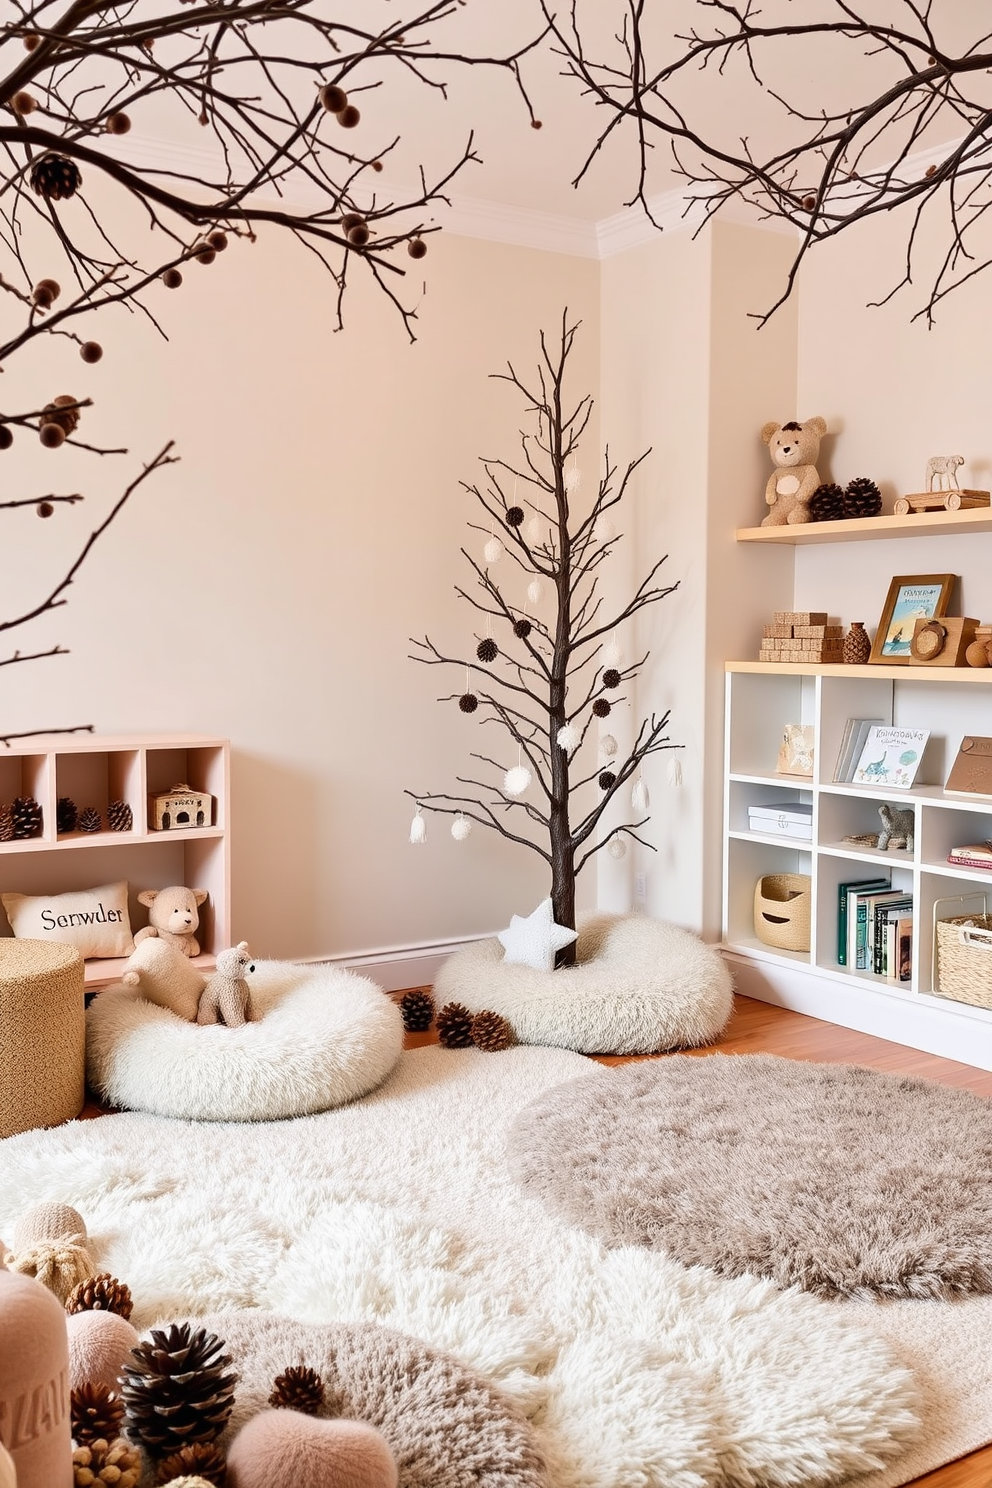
639, 986
323, 1037
399, 1210
834, 1178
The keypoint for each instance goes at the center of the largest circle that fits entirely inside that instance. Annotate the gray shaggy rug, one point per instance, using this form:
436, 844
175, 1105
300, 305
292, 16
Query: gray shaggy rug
830, 1177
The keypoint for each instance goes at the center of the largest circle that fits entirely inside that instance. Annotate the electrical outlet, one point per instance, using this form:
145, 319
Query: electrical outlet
640, 887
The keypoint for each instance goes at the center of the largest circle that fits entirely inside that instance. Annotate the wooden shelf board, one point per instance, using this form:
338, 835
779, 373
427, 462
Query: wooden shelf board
977, 676
112, 743
858, 529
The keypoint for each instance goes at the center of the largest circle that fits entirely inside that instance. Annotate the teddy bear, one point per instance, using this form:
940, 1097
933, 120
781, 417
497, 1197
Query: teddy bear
227, 997
793, 448
172, 915
164, 975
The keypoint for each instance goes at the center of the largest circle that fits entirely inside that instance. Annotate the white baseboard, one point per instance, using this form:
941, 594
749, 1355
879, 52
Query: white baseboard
952, 1030
398, 967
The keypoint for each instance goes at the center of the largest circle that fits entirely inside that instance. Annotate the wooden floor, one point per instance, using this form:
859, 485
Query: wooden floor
760, 1028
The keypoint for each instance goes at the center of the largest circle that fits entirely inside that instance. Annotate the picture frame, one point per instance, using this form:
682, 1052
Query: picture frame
911, 597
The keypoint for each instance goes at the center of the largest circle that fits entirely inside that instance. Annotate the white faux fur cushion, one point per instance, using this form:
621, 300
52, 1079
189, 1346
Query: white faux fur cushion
323, 1037
639, 986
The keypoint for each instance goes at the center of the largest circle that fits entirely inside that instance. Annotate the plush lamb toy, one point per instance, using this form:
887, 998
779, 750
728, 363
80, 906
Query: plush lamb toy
172, 915
163, 975
227, 996
793, 448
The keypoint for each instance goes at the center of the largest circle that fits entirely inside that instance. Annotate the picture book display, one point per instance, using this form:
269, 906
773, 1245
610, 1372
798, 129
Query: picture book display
851, 745
890, 756
795, 753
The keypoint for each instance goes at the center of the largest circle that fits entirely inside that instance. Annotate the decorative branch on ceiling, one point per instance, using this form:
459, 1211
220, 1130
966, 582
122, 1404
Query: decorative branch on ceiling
821, 122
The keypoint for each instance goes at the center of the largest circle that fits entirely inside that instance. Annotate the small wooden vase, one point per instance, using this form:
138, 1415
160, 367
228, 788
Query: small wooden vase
857, 646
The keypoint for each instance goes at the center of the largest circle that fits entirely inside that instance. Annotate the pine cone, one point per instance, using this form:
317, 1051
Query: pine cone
55, 177
199, 1460
862, 498
101, 1461
417, 1009
487, 650
6, 824
101, 1293
491, 1032
601, 708
95, 1412
298, 1388
176, 1389
120, 818
607, 780
61, 411
827, 503
66, 815
26, 814
454, 1026
90, 820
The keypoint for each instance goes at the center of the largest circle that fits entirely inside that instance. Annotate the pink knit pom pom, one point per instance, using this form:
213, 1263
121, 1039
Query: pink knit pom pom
284, 1449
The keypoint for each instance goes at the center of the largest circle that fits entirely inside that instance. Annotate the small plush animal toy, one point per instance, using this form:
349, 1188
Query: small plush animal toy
173, 916
227, 997
898, 826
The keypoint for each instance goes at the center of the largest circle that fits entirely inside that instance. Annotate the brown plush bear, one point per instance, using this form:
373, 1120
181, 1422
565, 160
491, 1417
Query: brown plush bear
793, 448
227, 997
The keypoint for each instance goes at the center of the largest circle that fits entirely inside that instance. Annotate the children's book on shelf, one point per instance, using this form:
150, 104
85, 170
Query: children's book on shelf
795, 753
971, 855
891, 756
897, 949
861, 925
845, 893
883, 911
852, 743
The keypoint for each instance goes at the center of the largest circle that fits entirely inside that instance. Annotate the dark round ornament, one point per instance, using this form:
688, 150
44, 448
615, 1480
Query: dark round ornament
205, 255
55, 177
468, 702
416, 247
118, 123
487, 650
348, 117
359, 236
172, 278
601, 708
522, 629
611, 677
607, 780
51, 435
217, 239
514, 516
91, 351
6, 437
44, 508
350, 220
333, 98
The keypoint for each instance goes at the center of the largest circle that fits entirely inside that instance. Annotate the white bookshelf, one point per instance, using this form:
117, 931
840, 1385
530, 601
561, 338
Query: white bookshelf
93, 771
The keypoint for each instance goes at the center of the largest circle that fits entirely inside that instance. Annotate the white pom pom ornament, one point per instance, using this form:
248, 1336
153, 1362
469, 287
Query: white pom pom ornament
608, 745
535, 591
535, 531
418, 828
605, 530
516, 781
573, 479
460, 827
568, 737
617, 848
612, 656
639, 798
493, 551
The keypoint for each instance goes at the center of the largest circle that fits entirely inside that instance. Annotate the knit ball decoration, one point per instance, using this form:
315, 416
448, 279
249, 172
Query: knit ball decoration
827, 503
298, 1388
101, 1293
487, 650
95, 1411
120, 817
601, 708
49, 1222
90, 819
468, 702
59, 1261
178, 1388
514, 516
493, 551
516, 781
100, 1462
187, 1482
55, 177
27, 817
66, 814
461, 828
568, 737
99, 1345
491, 1032
284, 1449
202, 1462
454, 1026
617, 848
862, 498
608, 745
522, 629
417, 1010
611, 677
607, 780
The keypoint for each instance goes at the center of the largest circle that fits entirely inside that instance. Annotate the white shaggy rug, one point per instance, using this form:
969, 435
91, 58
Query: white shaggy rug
639, 986
636, 1372
323, 1036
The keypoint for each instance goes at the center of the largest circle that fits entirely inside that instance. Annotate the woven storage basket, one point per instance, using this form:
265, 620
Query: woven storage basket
782, 910
42, 1034
964, 959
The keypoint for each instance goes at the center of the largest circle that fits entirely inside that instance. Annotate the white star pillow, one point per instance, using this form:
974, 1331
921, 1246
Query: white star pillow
535, 940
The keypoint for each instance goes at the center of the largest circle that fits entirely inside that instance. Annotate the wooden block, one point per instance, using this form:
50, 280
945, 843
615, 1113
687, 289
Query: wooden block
779, 632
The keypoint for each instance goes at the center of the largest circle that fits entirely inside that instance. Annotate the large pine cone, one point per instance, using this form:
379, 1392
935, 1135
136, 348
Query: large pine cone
177, 1389
417, 1009
96, 1413
827, 503
101, 1293
6, 824
90, 819
862, 498
55, 177
26, 815
120, 817
491, 1032
100, 1462
200, 1460
454, 1026
66, 815
298, 1388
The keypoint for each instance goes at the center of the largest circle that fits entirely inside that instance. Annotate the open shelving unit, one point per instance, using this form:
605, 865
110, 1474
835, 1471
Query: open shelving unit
94, 771
864, 529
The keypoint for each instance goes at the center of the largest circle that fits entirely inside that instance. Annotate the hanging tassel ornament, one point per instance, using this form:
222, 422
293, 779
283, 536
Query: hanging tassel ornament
617, 848
675, 771
568, 737
535, 591
535, 531
612, 656
639, 798
608, 745
418, 828
493, 551
573, 478
460, 827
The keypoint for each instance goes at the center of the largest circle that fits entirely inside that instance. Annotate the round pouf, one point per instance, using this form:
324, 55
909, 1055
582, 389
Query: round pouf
639, 986
322, 1037
42, 1034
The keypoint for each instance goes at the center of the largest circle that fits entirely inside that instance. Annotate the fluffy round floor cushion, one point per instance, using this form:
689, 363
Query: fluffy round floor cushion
639, 986
323, 1037
830, 1177
447, 1426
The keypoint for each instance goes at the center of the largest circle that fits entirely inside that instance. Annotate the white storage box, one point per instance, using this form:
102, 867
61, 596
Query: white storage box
782, 819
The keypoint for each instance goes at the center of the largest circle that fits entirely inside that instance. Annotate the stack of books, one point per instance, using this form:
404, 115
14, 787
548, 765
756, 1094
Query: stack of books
875, 753
875, 929
972, 855
852, 745
782, 819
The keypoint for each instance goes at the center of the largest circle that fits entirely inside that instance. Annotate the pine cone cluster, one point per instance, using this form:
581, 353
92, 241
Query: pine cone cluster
177, 1389
491, 1032
298, 1388
200, 1460
100, 1462
417, 1009
101, 1293
26, 816
55, 177
827, 503
66, 815
454, 1026
90, 820
96, 1413
6, 824
862, 498
120, 817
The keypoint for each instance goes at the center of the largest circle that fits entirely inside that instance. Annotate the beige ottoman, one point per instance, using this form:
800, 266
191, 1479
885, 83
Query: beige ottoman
42, 1034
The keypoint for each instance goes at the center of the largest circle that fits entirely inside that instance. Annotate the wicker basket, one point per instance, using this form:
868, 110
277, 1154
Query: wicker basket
782, 910
964, 959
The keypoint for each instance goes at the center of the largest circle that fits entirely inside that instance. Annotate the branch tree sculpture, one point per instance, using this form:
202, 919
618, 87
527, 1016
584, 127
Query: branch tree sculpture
821, 122
261, 96
547, 684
